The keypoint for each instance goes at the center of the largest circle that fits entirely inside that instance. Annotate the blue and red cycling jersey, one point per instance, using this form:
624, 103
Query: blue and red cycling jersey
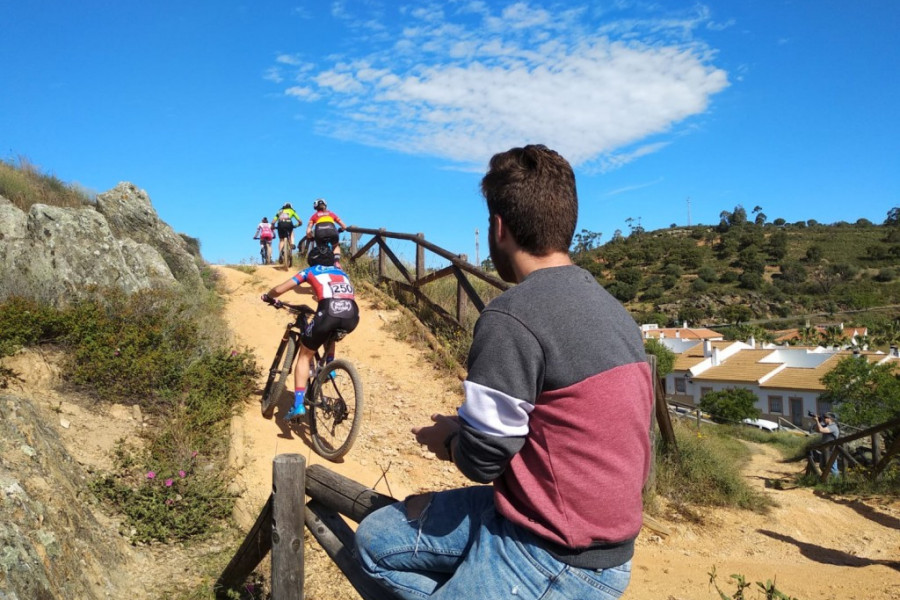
326, 282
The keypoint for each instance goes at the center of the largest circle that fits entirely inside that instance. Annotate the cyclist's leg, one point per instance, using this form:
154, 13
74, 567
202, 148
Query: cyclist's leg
301, 374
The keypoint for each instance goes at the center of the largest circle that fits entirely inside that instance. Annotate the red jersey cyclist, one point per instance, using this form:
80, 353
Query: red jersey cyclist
323, 227
337, 309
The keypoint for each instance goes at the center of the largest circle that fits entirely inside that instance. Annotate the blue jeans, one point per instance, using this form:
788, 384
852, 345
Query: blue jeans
459, 547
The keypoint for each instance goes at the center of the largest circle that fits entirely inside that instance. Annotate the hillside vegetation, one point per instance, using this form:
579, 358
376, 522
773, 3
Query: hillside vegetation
742, 271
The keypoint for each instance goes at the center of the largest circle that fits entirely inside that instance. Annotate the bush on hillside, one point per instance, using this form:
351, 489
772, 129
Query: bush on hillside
731, 405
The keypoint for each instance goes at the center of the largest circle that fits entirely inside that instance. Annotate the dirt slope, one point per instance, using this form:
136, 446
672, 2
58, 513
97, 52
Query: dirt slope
815, 548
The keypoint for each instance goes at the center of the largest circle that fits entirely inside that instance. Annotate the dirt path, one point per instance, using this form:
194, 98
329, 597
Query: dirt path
815, 548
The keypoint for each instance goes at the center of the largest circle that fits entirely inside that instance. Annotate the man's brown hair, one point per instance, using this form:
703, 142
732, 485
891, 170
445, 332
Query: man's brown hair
533, 191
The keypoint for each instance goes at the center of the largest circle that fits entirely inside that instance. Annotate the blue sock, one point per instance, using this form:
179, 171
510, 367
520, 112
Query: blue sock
298, 408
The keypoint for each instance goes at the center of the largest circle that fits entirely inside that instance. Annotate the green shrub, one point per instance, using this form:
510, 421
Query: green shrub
731, 405
164, 500
163, 350
706, 471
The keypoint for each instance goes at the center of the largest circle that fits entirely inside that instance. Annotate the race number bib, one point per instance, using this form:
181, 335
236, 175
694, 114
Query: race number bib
341, 289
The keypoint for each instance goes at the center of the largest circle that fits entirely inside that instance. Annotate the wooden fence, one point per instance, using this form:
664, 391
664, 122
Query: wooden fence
413, 283
838, 447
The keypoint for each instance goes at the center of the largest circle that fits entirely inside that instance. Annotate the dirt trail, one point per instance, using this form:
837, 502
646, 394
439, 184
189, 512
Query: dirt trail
815, 548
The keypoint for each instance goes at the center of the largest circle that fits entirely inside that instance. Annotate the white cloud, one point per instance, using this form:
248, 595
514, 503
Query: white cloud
594, 89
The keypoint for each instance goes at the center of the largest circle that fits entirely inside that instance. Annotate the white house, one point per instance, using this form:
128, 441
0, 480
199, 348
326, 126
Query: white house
786, 380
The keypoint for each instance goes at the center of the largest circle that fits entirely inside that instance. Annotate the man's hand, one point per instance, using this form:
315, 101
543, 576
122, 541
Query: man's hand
433, 436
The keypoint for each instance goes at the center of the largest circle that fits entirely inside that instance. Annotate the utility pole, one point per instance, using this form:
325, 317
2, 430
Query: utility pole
689, 210
477, 262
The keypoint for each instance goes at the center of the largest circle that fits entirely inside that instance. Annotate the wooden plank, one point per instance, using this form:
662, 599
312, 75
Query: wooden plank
288, 496
434, 276
465, 266
350, 498
400, 267
467, 287
248, 556
337, 539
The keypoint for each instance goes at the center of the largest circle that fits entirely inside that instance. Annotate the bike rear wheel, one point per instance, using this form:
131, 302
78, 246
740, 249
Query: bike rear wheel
335, 409
278, 375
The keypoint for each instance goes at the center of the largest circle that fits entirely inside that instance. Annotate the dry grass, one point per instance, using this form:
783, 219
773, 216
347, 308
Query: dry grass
23, 184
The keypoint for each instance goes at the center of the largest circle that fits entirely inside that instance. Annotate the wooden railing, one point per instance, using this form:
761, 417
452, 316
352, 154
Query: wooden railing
834, 448
280, 525
413, 283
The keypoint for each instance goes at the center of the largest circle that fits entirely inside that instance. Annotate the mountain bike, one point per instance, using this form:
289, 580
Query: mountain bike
265, 250
285, 252
334, 392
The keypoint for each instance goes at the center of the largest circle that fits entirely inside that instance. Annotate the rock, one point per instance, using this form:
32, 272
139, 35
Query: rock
54, 254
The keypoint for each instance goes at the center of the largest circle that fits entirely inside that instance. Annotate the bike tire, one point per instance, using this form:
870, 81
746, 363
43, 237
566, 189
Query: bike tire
278, 374
336, 409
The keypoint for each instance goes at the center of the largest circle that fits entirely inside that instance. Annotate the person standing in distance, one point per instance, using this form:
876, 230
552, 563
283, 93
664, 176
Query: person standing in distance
829, 431
556, 417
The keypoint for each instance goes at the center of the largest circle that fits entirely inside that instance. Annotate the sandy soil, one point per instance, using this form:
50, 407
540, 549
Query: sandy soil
813, 547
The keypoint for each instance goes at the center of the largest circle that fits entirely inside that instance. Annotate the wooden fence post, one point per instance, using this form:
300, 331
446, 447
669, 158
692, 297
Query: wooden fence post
461, 296
382, 273
288, 519
354, 242
420, 257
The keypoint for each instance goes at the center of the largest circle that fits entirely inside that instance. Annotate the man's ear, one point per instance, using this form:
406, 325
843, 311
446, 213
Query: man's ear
499, 228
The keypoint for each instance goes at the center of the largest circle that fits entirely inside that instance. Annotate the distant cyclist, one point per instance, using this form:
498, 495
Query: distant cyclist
265, 233
284, 222
337, 309
323, 227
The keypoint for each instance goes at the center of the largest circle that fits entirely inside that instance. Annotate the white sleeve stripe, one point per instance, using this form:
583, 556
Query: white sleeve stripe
493, 412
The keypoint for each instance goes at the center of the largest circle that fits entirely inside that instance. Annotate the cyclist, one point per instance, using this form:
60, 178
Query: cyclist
336, 309
284, 222
265, 233
323, 227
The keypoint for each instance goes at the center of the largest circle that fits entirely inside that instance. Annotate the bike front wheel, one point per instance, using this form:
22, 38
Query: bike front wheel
278, 375
335, 409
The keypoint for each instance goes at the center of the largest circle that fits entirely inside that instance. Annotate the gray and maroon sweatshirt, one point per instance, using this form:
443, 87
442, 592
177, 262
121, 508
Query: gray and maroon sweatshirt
557, 415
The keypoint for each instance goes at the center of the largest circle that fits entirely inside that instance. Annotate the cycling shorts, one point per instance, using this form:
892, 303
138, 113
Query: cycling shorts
285, 228
326, 233
331, 314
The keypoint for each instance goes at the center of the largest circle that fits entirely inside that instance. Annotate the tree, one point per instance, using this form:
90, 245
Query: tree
735, 314
863, 394
586, 241
893, 217
665, 358
731, 405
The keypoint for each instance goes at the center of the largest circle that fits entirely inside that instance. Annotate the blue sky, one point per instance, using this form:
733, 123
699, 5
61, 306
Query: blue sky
670, 113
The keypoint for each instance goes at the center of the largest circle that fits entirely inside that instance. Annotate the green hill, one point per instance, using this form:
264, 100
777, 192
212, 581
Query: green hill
742, 271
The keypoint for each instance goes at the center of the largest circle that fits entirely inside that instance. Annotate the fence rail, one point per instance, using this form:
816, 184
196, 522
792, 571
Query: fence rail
460, 268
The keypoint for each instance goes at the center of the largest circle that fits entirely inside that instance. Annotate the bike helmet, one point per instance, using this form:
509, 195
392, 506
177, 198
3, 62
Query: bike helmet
287, 205
319, 204
320, 256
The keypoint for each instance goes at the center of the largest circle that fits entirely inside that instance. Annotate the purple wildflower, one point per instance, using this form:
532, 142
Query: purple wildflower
169, 482
182, 474
151, 475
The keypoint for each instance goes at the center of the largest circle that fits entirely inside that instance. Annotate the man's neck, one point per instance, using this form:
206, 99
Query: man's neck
524, 264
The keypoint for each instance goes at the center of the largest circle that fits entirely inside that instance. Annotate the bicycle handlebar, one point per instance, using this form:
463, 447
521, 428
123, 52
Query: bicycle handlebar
294, 308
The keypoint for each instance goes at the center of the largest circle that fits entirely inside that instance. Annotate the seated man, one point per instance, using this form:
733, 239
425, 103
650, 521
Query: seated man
337, 309
323, 227
556, 418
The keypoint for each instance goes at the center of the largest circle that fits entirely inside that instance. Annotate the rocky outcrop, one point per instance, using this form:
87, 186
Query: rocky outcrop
53, 546
54, 253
